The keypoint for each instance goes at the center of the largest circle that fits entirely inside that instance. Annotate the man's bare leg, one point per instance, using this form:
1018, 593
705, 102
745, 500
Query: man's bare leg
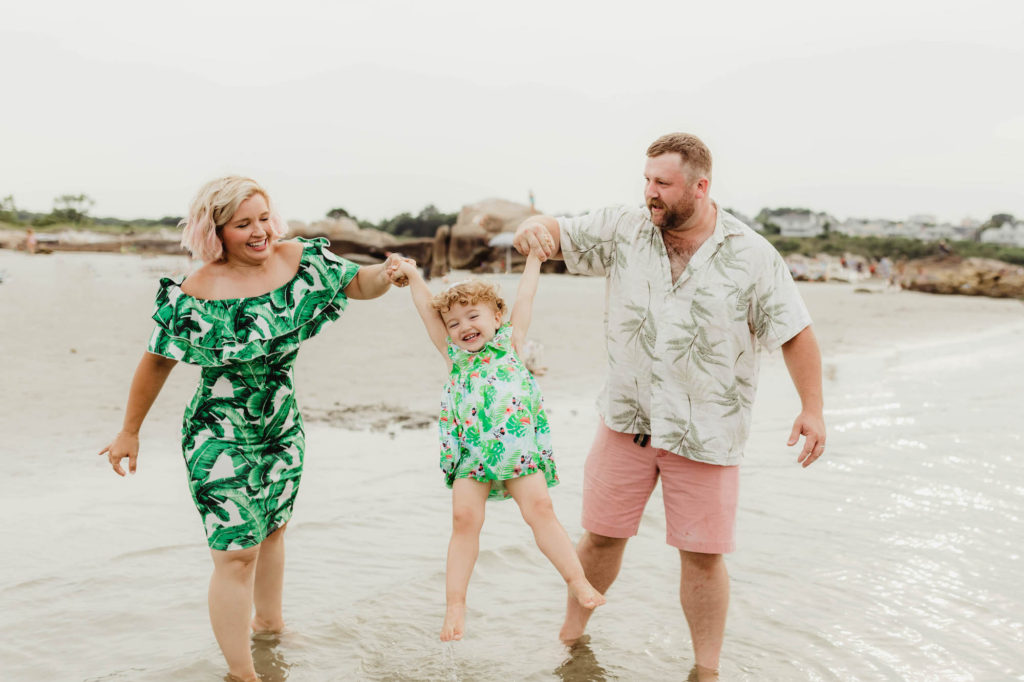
601, 558
704, 595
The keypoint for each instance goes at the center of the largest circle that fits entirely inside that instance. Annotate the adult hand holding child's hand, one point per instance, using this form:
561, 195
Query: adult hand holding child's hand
394, 271
532, 236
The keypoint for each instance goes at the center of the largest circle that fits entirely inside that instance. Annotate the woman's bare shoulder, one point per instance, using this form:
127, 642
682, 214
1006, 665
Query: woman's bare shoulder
198, 283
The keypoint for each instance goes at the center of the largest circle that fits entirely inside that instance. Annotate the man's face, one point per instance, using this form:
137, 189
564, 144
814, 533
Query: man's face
670, 196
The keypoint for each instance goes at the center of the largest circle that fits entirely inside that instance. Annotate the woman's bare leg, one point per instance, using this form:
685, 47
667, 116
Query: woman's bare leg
269, 585
230, 598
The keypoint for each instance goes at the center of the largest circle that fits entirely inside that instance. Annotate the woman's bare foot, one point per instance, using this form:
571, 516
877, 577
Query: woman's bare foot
454, 622
586, 594
265, 627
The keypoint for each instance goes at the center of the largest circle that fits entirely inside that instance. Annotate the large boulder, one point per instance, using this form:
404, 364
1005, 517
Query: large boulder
475, 226
439, 256
968, 276
342, 229
362, 245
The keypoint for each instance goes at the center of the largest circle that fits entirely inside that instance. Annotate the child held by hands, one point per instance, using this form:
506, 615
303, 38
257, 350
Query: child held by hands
495, 441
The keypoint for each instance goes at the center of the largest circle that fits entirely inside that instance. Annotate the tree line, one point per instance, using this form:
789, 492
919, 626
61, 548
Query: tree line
874, 248
423, 224
72, 209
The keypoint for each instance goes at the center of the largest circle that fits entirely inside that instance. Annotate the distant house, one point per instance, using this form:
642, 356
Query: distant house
1006, 234
802, 223
862, 227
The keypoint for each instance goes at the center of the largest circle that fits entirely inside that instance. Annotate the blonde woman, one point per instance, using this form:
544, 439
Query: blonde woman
241, 317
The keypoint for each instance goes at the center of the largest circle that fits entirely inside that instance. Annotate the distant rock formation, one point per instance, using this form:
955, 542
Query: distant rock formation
967, 276
439, 253
343, 229
475, 226
364, 246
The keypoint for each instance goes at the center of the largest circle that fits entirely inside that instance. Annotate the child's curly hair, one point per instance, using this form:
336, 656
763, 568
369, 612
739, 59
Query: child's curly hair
469, 292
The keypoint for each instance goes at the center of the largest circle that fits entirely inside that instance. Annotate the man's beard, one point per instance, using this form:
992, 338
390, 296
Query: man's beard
674, 216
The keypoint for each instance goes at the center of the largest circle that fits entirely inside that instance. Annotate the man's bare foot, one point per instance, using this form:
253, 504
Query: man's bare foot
571, 632
231, 677
454, 622
586, 594
265, 627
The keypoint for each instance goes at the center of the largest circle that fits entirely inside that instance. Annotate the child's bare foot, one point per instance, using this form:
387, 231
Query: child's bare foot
261, 626
454, 622
585, 593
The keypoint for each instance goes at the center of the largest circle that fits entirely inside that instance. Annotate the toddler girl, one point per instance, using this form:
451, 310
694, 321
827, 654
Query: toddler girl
495, 441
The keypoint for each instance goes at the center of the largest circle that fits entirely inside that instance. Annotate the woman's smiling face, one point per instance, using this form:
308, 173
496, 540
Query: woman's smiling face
247, 235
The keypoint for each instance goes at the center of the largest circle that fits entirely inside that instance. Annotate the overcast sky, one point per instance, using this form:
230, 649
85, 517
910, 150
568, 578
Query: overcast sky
871, 109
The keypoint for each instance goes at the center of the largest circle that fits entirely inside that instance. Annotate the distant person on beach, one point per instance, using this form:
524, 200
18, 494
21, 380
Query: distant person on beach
692, 295
31, 241
494, 435
242, 317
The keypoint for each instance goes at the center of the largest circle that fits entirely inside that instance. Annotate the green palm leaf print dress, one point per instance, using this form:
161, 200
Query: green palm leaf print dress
492, 424
242, 436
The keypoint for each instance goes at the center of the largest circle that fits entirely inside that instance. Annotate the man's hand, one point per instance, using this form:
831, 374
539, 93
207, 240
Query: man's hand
812, 427
532, 236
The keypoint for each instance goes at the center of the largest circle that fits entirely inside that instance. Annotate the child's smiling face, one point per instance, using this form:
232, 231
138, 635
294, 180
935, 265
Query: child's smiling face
471, 326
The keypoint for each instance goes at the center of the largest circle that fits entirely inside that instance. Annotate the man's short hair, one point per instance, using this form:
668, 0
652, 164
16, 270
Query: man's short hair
695, 153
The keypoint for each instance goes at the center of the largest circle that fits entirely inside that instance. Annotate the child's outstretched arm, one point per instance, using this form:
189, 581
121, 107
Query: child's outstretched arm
522, 309
421, 298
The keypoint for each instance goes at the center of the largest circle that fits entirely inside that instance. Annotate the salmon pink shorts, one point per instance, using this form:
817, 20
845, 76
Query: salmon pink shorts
700, 499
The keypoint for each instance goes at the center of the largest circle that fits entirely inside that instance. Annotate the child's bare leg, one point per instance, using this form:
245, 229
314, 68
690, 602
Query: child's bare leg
468, 499
531, 494
231, 607
269, 584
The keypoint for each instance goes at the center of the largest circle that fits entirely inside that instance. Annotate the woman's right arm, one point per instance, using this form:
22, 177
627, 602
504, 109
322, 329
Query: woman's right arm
149, 378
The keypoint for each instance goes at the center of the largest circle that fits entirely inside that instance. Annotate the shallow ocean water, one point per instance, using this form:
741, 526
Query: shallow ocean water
896, 557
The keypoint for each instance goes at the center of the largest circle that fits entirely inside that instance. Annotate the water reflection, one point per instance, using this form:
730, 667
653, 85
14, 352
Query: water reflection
581, 665
268, 659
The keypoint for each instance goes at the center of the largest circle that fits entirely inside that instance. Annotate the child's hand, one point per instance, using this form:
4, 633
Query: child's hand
546, 247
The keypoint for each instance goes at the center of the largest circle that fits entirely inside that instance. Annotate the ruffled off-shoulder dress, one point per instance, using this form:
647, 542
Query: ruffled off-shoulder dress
242, 436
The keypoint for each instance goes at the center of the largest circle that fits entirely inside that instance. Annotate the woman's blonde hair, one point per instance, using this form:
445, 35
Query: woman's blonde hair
213, 208
469, 292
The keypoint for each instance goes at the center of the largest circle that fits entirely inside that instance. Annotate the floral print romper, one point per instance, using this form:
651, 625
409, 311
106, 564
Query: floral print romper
492, 424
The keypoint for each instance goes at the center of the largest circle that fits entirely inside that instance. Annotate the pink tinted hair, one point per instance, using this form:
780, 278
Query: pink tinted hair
214, 206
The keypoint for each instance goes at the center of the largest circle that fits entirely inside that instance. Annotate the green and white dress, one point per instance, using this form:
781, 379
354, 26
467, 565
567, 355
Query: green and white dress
242, 436
492, 424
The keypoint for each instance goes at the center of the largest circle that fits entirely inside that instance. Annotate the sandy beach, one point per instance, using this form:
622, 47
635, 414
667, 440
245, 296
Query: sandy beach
74, 326
123, 560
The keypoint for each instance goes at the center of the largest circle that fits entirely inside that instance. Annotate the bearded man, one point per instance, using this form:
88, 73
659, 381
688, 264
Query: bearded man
692, 295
